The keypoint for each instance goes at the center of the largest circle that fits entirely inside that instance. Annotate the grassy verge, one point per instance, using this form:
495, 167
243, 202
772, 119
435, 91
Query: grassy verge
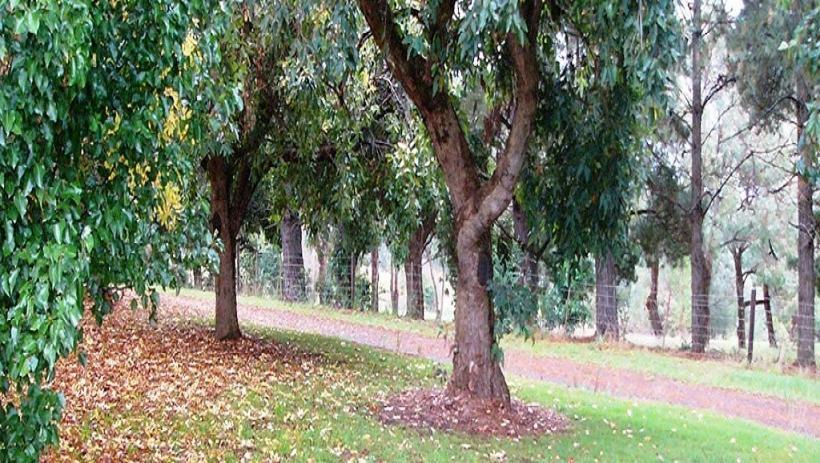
760, 377
324, 412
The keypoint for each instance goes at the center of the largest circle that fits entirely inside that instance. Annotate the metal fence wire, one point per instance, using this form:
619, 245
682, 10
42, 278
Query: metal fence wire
569, 309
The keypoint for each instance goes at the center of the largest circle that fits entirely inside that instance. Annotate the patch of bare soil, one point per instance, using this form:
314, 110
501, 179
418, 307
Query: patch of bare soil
426, 409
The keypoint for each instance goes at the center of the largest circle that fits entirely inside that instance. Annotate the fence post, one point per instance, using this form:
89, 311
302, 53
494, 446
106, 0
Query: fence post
752, 306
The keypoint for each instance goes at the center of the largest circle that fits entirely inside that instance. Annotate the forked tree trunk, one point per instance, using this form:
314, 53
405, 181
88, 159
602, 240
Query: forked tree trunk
805, 240
374, 279
767, 308
293, 264
740, 288
652, 299
227, 323
477, 203
476, 369
701, 277
606, 304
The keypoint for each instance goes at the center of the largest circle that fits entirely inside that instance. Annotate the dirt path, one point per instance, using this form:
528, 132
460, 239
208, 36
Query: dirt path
789, 415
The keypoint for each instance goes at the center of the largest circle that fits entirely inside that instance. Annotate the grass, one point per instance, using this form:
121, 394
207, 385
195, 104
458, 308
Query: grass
325, 415
761, 377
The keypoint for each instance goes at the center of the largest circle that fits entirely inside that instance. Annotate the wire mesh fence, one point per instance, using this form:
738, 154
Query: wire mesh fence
664, 320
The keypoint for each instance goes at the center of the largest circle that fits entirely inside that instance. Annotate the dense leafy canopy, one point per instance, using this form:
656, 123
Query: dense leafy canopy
97, 162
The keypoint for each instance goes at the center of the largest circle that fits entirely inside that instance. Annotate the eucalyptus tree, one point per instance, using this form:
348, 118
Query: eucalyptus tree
778, 81
501, 48
97, 116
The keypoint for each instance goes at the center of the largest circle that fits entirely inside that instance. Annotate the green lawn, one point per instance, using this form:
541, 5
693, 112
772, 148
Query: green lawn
761, 377
325, 415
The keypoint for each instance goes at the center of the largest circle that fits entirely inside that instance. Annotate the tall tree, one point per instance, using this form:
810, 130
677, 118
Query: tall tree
779, 82
500, 42
475, 371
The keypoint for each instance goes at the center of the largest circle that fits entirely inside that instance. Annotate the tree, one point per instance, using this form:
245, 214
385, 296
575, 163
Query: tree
699, 204
500, 42
293, 265
778, 82
95, 133
475, 371
661, 231
273, 61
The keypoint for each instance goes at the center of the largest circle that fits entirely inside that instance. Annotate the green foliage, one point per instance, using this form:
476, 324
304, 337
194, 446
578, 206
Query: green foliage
564, 304
772, 67
514, 303
596, 108
96, 164
662, 230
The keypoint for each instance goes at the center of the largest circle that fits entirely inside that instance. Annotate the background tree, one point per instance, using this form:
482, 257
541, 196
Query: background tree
661, 230
778, 83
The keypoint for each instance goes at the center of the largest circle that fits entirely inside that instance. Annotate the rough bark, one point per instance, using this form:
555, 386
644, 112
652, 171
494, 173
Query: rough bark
476, 371
293, 264
652, 299
394, 289
227, 323
767, 308
606, 304
413, 269
529, 264
475, 368
805, 239
740, 284
701, 272
374, 279
321, 278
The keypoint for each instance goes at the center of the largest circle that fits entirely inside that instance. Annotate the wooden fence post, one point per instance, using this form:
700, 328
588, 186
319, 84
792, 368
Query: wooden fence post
752, 305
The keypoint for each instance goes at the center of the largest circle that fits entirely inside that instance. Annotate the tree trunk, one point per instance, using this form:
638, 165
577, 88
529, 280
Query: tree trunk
227, 322
415, 288
740, 284
435, 291
606, 303
198, 277
805, 239
240, 286
394, 287
476, 370
293, 264
413, 268
652, 299
701, 273
321, 278
529, 264
374, 279
767, 307
354, 265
